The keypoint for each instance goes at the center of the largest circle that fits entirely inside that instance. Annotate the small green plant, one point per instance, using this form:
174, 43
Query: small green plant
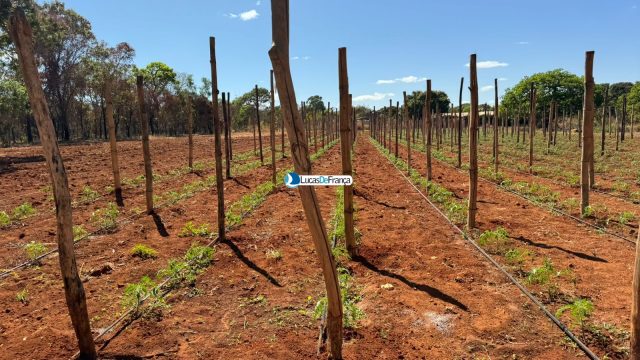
107, 218
79, 232
274, 254
23, 296
34, 250
136, 293
5, 220
191, 230
588, 212
626, 217
516, 256
495, 241
579, 309
143, 252
352, 314
194, 261
88, 194
543, 274
22, 211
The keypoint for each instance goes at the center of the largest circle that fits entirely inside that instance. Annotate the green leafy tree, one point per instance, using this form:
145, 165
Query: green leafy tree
158, 80
244, 107
315, 103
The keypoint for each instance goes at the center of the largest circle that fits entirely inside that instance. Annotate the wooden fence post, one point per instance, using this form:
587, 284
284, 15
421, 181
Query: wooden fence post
226, 140
259, 126
604, 119
144, 126
429, 125
279, 55
532, 123
345, 149
117, 186
473, 144
624, 117
495, 126
587, 131
272, 136
21, 34
216, 132
460, 123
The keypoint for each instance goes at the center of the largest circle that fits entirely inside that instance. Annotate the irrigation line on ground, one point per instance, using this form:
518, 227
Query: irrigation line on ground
513, 280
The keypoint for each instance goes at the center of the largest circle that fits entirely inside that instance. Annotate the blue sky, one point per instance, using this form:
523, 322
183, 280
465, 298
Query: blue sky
400, 42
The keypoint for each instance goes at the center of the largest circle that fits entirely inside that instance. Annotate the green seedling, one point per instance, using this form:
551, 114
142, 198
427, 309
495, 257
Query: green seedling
143, 252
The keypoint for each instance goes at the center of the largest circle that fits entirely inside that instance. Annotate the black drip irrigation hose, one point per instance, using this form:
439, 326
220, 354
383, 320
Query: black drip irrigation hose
513, 280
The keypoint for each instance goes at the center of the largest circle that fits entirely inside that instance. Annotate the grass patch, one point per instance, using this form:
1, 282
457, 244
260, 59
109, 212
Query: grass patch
192, 230
495, 241
88, 194
23, 211
79, 232
5, 220
143, 252
23, 296
106, 219
352, 314
34, 250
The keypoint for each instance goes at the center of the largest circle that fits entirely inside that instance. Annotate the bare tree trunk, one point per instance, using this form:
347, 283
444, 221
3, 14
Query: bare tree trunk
144, 126
279, 55
587, 130
473, 144
218, 145
272, 136
21, 34
117, 186
532, 124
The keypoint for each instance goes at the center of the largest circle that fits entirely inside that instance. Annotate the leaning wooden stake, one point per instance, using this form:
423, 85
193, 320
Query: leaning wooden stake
429, 125
473, 144
117, 186
216, 132
144, 126
279, 55
21, 34
345, 149
532, 123
587, 131
272, 137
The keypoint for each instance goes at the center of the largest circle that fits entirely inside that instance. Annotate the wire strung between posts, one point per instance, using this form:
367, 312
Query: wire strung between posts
522, 289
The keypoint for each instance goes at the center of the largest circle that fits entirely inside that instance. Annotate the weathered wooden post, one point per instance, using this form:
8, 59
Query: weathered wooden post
22, 37
460, 123
144, 126
473, 144
429, 125
345, 149
117, 186
532, 123
624, 117
279, 55
226, 142
228, 127
635, 306
587, 131
604, 110
190, 131
397, 127
218, 145
282, 130
408, 132
259, 126
272, 137
495, 126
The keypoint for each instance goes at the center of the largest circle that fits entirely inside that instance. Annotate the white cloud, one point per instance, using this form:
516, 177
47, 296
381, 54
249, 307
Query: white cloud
376, 96
522, 43
249, 15
502, 79
231, 15
486, 88
407, 80
295, 58
489, 64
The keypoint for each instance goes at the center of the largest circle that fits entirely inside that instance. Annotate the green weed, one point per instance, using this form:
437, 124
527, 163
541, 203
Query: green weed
579, 309
23, 296
88, 194
106, 219
34, 250
191, 230
23, 211
143, 252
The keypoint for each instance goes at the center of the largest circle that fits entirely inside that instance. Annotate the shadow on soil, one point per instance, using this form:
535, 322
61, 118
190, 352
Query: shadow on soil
433, 292
159, 225
545, 246
250, 263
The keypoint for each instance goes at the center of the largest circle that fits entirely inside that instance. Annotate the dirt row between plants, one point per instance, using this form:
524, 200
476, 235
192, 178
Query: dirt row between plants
587, 265
42, 329
425, 293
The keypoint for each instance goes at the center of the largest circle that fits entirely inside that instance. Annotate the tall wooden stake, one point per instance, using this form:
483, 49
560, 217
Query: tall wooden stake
190, 131
21, 34
259, 127
604, 110
405, 115
226, 142
460, 123
345, 149
495, 126
587, 130
532, 123
473, 144
429, 125
144, 125
272, 136
216, 132
279, 55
